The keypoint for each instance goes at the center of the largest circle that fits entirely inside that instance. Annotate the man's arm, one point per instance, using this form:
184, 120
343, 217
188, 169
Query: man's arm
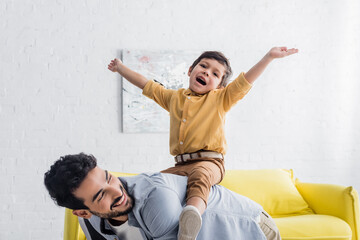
161, 212
135, 78
275, 52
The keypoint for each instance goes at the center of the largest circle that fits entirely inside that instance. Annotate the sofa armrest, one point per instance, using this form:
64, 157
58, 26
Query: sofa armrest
335, 200
72, 229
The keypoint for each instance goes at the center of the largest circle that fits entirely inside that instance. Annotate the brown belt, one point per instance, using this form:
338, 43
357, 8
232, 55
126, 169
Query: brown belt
181, 158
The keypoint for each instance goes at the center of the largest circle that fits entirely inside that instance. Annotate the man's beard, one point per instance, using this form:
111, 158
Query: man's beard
115, 213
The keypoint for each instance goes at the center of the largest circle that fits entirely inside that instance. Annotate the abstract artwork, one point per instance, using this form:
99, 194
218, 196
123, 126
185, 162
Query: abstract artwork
139, 113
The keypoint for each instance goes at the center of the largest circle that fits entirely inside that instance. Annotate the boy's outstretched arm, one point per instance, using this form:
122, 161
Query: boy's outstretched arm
135, 78
275, 52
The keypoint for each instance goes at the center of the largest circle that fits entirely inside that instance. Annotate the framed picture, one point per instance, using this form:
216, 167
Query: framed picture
139, 113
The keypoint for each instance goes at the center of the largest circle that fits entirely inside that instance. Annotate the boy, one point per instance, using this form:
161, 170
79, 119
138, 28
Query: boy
197, 117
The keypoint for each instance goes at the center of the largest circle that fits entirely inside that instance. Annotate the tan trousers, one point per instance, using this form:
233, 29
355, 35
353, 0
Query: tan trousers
269, 227
202, 174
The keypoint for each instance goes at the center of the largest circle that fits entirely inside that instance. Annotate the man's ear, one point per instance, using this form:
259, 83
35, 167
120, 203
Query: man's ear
190, 70
82, 213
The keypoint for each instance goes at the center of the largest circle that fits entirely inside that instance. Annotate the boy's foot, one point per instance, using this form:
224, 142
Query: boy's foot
189, 223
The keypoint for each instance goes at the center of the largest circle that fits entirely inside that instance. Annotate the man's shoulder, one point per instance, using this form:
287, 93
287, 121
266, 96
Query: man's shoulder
151, 176
147, 182
161, 179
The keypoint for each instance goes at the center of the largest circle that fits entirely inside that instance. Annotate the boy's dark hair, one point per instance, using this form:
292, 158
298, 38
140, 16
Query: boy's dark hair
220, 57
65, 176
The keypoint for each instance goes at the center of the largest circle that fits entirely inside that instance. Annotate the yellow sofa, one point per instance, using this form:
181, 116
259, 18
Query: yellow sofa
301, 210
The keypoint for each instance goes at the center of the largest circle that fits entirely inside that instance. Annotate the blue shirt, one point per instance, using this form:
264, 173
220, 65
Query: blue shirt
159, 199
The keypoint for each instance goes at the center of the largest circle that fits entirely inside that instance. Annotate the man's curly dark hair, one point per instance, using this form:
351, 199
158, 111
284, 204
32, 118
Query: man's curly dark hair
65, 176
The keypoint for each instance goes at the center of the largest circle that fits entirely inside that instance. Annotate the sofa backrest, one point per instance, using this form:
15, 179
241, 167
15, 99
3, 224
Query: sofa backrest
274, 189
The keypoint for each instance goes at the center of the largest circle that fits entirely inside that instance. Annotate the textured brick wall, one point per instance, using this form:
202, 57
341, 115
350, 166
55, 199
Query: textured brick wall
57, 97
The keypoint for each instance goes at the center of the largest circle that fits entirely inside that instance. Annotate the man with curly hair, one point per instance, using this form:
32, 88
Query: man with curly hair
148, 206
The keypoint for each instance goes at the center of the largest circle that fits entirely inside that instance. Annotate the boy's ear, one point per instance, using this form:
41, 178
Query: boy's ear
82, 213
190, 70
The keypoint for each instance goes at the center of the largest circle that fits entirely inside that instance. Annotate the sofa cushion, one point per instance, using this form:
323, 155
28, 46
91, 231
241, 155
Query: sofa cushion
313, 226
274, 189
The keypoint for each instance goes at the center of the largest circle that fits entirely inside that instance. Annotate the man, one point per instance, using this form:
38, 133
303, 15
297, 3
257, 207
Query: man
147, 206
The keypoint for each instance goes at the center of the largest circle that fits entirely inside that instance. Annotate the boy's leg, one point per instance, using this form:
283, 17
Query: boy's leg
201, 176
198, 203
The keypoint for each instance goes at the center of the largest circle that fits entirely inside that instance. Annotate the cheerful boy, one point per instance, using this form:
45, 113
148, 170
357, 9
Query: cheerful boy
197, 118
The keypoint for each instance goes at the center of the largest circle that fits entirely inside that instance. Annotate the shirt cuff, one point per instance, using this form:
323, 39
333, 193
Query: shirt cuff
242, 83
243, 75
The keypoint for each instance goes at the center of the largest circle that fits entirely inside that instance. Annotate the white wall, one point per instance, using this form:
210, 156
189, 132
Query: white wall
57, 96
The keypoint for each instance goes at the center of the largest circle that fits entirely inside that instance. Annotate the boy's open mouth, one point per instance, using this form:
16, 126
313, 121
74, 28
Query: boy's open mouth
199, 80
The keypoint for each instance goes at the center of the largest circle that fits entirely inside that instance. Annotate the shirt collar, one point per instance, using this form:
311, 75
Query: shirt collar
189, 92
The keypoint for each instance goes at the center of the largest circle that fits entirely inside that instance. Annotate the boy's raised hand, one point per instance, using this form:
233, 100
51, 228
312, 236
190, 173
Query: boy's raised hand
114, 65
275, 52
280, 52
135, 78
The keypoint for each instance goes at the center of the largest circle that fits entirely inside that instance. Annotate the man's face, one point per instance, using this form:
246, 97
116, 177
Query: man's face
104, 195
206, 75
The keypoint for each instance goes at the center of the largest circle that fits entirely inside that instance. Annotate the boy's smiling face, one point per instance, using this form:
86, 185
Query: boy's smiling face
206, 75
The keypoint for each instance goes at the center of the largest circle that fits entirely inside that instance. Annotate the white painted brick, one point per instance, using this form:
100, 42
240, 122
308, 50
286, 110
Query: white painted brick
7, 181
8, 234
44, 234
57, 97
